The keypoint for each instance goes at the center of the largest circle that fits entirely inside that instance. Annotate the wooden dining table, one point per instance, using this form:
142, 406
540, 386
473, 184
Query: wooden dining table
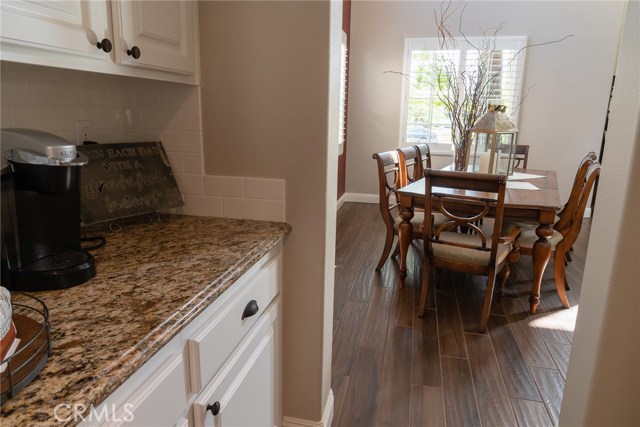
520, 204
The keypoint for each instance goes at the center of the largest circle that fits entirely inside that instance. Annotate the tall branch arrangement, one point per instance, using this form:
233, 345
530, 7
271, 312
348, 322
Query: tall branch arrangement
465, 94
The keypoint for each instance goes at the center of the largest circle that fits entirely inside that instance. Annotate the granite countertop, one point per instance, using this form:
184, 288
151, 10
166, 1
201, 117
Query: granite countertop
152, 279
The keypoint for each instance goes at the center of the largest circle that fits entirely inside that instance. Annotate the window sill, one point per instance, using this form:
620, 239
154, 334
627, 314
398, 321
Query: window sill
441, 153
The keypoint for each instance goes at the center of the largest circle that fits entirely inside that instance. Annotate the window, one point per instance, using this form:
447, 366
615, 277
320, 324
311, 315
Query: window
343, 94
424, 117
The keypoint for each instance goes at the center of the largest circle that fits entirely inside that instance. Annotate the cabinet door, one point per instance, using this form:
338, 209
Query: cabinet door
244, 393
73, 27
162, 33
159, 402
250, 399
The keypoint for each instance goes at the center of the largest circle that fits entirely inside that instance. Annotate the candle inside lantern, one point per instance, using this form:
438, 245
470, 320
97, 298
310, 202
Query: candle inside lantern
484, 162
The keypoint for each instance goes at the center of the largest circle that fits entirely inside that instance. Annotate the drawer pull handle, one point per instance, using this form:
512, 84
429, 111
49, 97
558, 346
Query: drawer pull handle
251, 309
134, 51
215, 408
105, 45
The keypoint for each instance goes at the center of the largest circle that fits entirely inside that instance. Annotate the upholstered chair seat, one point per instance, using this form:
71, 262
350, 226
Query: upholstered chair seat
466, 255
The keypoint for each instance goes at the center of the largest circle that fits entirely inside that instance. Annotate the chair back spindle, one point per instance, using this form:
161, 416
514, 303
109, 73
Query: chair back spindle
425, 156
410, 164
522, 156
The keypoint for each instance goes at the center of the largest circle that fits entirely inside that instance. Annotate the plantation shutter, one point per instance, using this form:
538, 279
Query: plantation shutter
342, 134
424, 117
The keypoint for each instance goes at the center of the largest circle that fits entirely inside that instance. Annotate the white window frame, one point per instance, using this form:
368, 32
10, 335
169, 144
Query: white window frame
515, 43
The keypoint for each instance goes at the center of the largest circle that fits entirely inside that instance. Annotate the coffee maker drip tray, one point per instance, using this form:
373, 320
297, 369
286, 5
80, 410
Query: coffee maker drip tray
57, 271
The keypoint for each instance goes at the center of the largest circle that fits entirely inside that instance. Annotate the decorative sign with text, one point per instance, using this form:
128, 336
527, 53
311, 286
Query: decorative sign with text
124, 180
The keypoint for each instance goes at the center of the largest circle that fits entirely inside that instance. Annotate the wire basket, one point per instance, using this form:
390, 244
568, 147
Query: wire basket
31, 318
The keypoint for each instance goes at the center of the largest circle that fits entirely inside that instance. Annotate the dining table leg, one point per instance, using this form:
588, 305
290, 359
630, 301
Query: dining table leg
541, 255
405, 233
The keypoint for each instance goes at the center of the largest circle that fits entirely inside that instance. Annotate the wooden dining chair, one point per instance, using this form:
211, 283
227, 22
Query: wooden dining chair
562, 240
425, 156
390, 179
522, 156
566, 214
410, 164
464, 199
415, 160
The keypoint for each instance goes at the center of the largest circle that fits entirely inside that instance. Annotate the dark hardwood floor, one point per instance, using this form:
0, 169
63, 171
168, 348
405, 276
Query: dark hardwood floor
392, 368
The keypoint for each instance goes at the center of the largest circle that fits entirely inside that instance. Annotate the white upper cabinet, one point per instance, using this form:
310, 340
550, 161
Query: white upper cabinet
149, 39
158, 34
73, 27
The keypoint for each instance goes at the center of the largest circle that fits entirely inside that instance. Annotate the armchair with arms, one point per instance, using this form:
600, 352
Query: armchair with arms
390, 178
464, 199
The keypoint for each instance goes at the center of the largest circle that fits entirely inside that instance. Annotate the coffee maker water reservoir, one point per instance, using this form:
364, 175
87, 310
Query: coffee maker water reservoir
41, 212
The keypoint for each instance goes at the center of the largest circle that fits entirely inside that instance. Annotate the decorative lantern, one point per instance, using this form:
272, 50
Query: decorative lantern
493, 143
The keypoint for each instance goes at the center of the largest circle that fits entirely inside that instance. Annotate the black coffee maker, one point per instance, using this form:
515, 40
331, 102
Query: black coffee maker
41, 212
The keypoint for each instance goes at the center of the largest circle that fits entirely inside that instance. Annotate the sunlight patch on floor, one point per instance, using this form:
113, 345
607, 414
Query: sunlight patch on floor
563, 319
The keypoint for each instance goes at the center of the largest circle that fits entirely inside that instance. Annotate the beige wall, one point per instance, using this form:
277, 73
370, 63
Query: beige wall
603, 382
562, 117
265, 103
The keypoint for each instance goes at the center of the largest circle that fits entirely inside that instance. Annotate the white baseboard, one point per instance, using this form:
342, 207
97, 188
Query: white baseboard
361, 198
341, 201
327, 417
587, 213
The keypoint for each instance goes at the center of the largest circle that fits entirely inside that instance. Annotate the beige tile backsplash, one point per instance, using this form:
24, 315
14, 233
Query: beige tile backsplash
125, 109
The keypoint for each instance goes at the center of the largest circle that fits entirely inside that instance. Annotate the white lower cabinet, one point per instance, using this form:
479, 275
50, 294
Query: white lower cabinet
212, 344
159, 400
225, 362
153, 396
243, 392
